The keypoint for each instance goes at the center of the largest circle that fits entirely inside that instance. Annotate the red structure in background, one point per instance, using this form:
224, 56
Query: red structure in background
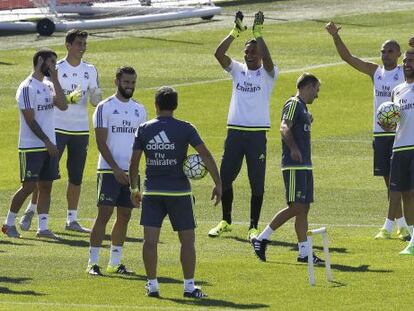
24, 4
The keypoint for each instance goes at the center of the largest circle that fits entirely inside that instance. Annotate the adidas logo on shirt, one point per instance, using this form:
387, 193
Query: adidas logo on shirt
160, 142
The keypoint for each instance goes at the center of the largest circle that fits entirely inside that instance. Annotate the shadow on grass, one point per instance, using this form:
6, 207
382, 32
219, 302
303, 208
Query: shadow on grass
14, 243
293, 246
5, 290
161, 279
6, 279
208, 302
6, 64
323, 21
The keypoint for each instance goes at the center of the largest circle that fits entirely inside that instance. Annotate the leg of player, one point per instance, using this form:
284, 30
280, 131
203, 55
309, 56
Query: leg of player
188, 262
9, 227
96, 238
395, 212
26, 220
118, 236
408, 202
43, 206
150, 257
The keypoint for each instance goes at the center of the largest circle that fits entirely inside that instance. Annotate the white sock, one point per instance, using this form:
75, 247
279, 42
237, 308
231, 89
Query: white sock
410, 228
153, 285
72, 215
93, 255
266, 233
43, 222
401, 223
189, 285
11, 219
388, 224
116, 254
303, 249
31, 207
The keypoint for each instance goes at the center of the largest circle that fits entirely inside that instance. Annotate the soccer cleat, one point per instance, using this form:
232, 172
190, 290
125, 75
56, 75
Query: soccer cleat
259, 247
252, 233
383, 234
152, 293
403, 234
409, 250
119, 269
196, 293
48, 235
223, 226
316, 260
26, 220
75, 226
94, 270
10, 231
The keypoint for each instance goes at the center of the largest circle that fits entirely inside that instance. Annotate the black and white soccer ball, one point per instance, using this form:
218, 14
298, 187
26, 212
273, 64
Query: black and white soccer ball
194, 167
388, 115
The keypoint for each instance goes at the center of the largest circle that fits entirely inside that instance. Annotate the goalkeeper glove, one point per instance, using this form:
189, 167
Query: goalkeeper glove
258, 24
238, 25
73, 97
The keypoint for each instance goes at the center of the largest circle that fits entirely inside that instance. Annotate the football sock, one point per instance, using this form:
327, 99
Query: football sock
116, 254
226, 202
189, 285
303, 249
11, 219
265, 233
255, 208
72, 215
153, 285
410, 228
43, 222
401, 223
93, 255
388, 224
31, 207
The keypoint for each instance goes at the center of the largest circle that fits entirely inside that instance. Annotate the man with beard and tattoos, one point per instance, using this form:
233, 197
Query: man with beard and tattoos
38, 154
115, 120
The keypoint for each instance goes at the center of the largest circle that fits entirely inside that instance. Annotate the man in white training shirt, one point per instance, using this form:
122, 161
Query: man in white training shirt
116, 120
248, 120
384, 79
79, 81
38, 153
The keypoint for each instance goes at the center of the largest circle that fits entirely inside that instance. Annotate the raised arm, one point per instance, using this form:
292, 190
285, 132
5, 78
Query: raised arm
287, 136
261, 44
212, 169
59, 100
359, 64
224, 45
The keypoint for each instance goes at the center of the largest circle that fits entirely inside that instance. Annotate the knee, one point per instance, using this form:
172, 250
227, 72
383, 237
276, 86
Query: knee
104, 216
44, 187
123, 216
150, 244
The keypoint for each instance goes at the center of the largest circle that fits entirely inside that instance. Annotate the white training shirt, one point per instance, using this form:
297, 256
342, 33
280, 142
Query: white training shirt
404, 136
384, 82
36, 95
250, 99
74, 120
122, 120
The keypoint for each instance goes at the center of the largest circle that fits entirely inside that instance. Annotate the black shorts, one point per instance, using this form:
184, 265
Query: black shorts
299, 186
76, 157
382, 155
178, 208
239, 144
38, 166
112, 193
402, 171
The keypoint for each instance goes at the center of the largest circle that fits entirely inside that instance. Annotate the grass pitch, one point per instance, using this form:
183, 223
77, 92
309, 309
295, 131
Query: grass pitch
368, 274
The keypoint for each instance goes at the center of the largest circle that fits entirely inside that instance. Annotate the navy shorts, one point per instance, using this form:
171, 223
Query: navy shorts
299, 186
382, 155
178, 208
77, 150
112, 193
38, 166
402, 171
240, 144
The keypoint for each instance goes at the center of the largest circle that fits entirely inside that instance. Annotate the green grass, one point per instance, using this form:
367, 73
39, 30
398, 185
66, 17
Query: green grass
45, 275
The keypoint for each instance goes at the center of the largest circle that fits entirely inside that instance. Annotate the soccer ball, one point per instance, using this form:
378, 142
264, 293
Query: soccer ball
194, 167
388, 115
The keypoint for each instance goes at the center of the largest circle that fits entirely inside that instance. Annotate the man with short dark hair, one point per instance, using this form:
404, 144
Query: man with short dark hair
79, 81
295, 129
164, 140
248, 120
116, 120
36, 97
